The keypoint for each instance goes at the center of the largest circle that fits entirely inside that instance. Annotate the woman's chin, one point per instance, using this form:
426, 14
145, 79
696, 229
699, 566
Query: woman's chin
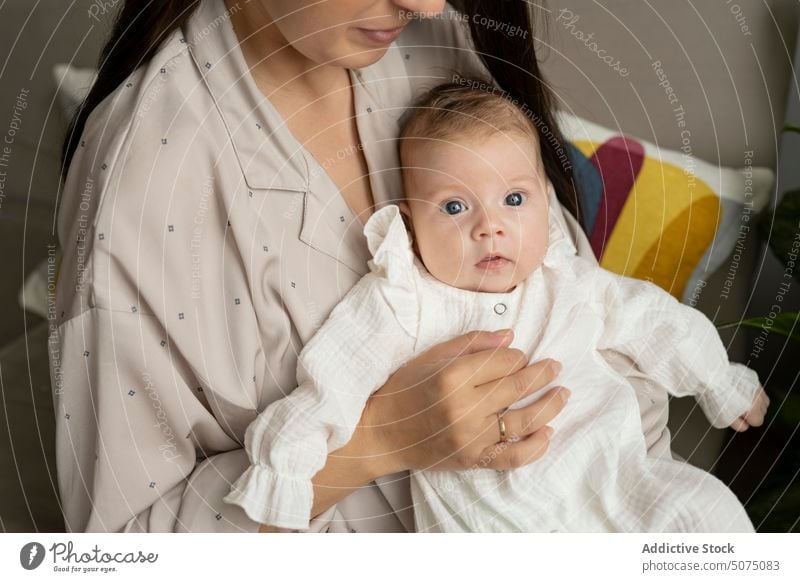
361, 55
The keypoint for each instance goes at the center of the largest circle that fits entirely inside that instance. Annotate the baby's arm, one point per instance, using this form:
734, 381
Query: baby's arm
351, 356
678, 347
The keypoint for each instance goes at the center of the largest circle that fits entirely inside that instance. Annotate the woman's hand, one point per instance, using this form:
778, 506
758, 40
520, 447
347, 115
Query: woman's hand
755, 416
439, 411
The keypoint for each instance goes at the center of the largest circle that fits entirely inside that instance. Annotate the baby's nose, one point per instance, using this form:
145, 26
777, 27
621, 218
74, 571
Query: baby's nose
489, 225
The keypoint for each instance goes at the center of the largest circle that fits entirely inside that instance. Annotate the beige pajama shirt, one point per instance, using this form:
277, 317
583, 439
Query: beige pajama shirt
202, 248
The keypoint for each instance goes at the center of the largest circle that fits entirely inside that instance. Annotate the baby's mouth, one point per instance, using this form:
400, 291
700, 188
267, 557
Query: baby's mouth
492, 261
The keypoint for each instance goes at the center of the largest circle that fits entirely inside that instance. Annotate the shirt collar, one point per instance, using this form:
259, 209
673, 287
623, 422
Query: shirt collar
258, 137
268, 154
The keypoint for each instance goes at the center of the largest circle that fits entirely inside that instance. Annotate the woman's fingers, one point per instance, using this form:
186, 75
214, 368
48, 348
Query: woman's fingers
449, 419
474, 342
488, 365
524, 421
510, 455
502, 393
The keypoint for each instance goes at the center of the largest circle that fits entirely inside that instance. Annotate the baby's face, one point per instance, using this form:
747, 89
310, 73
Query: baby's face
478, 210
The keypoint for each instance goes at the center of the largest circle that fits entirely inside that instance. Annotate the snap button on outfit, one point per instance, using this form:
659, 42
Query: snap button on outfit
500, 308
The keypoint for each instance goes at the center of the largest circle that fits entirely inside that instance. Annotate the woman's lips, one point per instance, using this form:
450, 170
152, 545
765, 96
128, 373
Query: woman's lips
381, 37
492, 264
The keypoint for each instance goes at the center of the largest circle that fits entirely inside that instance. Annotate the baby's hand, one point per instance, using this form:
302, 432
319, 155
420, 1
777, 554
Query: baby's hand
755, 417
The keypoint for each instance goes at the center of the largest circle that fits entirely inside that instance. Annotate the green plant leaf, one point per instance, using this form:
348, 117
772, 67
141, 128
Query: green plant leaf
782, 231
776, 509
784, 407
786, 324
790, 127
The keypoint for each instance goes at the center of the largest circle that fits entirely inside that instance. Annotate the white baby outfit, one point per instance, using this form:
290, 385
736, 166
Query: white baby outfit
595, 476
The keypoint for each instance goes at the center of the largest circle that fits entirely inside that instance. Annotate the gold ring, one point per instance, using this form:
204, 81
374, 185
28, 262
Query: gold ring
502, 426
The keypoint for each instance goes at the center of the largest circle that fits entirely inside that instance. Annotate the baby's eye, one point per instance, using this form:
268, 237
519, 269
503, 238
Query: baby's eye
453, 207
515, 198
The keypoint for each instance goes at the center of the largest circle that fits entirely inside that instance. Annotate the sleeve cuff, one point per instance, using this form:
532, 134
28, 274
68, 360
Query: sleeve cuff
730, 397
267, 497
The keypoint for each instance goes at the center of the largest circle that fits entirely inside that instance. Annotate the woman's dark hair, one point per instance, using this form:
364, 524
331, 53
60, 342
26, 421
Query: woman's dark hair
142, 25
139, 29
510, 56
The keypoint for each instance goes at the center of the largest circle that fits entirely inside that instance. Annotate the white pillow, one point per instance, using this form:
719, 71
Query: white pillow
72, 86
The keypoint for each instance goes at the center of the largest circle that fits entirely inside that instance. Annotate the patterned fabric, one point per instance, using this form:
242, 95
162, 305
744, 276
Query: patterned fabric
659, 215
202, 247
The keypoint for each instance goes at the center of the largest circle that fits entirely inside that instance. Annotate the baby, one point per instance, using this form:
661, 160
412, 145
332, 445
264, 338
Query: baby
490, 253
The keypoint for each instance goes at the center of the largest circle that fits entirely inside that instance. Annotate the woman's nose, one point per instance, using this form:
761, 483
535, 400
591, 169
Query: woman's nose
427, 8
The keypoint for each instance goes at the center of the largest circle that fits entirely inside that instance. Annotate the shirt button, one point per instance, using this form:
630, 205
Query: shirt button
500, 308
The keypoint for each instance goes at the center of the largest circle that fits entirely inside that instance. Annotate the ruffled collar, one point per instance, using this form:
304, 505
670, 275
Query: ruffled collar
560, 242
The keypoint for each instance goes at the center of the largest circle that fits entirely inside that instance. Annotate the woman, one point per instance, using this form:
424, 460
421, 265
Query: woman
219, 176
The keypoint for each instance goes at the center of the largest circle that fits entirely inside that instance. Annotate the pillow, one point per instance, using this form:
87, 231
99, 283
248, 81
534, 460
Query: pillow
660, 215
72, 85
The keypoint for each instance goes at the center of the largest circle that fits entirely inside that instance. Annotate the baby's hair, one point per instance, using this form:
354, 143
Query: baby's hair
469, 107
